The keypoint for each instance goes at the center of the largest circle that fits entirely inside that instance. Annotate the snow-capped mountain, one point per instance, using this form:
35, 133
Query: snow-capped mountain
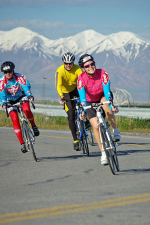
123, 55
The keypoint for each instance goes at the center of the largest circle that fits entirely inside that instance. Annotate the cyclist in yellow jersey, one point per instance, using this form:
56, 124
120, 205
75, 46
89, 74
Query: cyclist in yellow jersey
66, 78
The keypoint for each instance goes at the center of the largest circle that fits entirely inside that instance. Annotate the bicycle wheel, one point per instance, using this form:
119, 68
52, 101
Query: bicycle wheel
85, 143
108, 150
90, 136
115, 154
79, 137
24, 135
29, 138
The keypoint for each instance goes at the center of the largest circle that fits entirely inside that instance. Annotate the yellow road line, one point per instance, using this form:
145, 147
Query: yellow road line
141, 146
62, 210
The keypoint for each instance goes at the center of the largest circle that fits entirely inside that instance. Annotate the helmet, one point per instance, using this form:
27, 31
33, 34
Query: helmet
68, 58
7, 66
84, 58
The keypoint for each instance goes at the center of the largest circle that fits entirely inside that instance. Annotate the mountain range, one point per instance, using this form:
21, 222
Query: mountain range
124, 56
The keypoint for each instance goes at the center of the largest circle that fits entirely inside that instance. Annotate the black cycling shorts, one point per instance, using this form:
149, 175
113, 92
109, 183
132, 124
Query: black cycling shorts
92, 112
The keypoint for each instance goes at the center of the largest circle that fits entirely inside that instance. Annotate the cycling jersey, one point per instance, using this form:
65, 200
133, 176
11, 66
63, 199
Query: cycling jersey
66, 81
14, 89
92, 88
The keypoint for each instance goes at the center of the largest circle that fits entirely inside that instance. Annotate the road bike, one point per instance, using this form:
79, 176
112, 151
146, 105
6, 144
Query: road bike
27, 133
81, 132
107, 141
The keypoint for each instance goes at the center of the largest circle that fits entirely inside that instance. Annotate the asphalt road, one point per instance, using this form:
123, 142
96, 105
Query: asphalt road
66, 187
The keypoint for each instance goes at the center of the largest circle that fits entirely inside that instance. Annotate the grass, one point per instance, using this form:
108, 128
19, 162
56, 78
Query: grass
61, 123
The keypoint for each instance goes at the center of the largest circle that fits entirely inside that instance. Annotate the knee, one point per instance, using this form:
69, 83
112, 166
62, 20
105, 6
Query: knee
95, 128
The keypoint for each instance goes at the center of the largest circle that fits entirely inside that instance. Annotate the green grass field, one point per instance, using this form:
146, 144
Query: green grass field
61, 123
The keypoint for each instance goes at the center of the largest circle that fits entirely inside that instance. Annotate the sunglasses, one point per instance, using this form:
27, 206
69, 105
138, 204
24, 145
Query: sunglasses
9, 71
68, 63
91, 64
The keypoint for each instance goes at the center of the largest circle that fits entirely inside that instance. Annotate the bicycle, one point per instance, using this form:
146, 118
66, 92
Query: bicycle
82, 135
27, 133
107, 142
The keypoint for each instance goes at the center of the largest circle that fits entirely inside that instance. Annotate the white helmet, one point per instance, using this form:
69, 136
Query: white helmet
68, 58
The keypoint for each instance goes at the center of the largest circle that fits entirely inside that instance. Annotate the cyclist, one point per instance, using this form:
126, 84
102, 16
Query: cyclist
66, 84
94, 86
13, 88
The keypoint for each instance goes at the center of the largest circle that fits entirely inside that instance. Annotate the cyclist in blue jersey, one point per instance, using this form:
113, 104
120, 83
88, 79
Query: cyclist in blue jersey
93, 87
15, 87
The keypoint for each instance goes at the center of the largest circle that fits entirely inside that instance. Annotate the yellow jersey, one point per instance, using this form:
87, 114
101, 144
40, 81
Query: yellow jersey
66, 81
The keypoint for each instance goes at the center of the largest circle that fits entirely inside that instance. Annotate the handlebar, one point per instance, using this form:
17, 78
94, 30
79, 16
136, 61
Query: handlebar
97, 104
17, 104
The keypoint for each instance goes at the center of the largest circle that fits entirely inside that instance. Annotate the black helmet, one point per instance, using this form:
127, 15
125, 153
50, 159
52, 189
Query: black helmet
68, 58
7, 67
84, 58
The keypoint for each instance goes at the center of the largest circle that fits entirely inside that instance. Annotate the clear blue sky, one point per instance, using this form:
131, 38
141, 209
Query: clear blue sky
63, 18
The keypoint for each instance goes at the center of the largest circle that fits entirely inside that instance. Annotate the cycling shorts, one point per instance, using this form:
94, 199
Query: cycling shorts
92, 112
23, 98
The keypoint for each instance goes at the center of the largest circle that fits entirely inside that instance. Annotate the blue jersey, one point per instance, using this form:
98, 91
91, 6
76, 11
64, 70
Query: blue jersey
14, 89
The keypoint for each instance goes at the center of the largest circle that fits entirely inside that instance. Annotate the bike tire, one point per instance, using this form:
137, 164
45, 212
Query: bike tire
29, 137
90, 136
115, 154
85, 142
108, 151
78, 133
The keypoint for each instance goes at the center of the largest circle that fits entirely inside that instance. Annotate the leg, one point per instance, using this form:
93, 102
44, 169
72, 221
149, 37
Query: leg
16, 125
109, 114
71, 116
93, 122
72, 126
26, 109
111, 118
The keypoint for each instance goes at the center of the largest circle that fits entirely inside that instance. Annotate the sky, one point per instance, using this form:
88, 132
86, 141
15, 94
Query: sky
63, 18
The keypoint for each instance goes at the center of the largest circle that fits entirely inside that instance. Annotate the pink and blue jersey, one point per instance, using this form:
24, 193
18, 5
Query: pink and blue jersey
92, 88
14, 89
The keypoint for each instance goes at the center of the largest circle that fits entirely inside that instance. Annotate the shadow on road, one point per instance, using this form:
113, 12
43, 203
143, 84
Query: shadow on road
60, 158
136, 171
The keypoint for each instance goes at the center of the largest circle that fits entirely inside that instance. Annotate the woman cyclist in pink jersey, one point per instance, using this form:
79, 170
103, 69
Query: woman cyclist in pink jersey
94, 86
15, 87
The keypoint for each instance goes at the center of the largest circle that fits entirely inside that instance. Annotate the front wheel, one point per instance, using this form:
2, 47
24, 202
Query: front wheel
84, 137
108, 149
28, 138
90, 135
78, 133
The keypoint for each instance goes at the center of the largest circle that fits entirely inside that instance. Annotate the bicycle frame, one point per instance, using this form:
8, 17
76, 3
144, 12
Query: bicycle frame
107, 142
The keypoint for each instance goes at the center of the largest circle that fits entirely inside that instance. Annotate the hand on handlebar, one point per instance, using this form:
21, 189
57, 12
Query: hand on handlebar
115, 110
4, 106
83, 116
31, 99
62, 101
